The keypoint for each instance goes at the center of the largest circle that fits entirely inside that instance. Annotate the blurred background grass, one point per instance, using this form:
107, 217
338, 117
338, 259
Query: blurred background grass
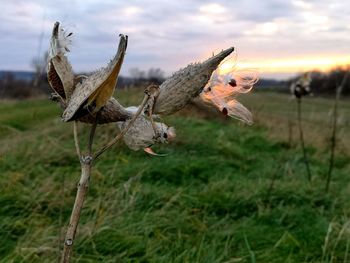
225, 193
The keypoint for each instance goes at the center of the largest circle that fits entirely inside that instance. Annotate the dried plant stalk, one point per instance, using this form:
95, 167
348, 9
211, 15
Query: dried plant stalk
76, 140
305, 158
78, 205
334, 130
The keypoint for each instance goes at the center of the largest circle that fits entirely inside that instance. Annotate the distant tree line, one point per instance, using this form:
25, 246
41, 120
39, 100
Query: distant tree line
12, 86
271, 84
154, 75
15, 85
19, 88
325, 83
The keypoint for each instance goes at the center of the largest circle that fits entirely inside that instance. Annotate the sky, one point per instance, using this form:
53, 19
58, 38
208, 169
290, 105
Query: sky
279, 38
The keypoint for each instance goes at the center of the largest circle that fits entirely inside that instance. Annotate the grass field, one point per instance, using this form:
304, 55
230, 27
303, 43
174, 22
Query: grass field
225, 193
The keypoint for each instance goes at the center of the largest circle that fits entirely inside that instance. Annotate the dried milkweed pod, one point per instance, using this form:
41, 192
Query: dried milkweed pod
142, 135
93, 92
60, 74
62, 81
177, 91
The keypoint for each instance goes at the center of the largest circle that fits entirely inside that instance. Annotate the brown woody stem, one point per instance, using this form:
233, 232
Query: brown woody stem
76, 139
83, 186
305, 158
92, 134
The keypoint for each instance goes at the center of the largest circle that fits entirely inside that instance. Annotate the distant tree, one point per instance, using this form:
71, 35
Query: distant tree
39, 65
10, 87
155, 75
137, 74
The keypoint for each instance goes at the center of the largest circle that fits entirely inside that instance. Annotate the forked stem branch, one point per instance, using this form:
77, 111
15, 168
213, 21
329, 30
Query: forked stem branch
83, 185
78, 205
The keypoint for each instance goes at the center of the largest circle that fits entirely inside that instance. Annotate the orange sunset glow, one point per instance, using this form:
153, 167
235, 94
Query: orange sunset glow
297, 65
287, 65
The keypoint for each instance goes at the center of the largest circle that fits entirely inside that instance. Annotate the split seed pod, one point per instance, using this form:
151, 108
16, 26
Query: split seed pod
60, 74
93, 92
177, 91
141, 134
61, 79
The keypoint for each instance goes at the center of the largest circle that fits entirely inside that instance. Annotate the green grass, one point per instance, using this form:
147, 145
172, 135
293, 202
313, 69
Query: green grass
225, 193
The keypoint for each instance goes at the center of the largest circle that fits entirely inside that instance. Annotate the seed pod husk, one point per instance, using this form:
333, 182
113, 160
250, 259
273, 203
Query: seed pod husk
177, 91
60, 73
93, 92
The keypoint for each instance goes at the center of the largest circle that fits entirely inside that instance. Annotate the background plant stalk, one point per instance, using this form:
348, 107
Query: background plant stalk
306, 161
86, 162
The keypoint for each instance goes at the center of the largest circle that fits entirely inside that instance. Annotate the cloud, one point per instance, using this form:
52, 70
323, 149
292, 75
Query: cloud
169, 34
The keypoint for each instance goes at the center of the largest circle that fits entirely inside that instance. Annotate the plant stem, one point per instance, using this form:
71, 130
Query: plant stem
290, 133
302, 141
334, 130
86, 164
333, 144
83, 185
76, 139
60, 219
272, 183
92, 134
